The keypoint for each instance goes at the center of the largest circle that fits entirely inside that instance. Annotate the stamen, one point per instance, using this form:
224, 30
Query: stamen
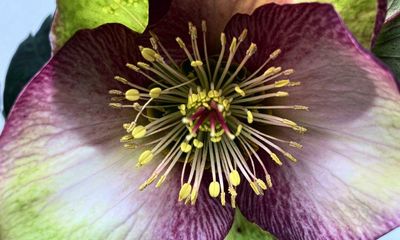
206, 117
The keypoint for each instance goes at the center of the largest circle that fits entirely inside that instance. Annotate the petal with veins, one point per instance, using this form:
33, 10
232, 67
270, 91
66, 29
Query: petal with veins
63, 173
345, 184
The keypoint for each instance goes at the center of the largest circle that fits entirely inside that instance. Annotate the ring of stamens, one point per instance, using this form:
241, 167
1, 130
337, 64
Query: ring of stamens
206, 116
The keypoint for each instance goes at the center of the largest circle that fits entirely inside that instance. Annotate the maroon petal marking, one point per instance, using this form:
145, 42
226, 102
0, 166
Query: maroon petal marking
345, 183
61, 124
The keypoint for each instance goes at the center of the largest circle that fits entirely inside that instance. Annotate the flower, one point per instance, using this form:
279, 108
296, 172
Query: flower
64, 173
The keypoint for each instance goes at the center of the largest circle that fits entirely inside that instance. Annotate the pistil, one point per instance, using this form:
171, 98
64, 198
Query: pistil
207, 118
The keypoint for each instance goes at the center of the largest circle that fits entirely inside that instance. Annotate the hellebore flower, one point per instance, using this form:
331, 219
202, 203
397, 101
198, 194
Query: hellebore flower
212, 120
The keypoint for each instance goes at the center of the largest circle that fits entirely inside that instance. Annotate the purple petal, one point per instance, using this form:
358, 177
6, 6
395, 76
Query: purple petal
63, 172
216, 12
345, 184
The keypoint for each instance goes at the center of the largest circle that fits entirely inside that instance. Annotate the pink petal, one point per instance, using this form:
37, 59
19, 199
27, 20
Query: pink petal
63, 172
345, 184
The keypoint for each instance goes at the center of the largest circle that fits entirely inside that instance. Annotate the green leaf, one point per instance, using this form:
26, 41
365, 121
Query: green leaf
359, 16
30, 56
242, 229
387, 46
79, 14
393, 8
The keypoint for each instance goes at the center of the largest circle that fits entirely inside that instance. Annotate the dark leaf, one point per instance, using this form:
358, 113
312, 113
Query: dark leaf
30, 56
387, 47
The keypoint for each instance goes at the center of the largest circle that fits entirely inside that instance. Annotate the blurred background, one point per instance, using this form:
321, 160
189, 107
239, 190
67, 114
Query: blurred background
19, 19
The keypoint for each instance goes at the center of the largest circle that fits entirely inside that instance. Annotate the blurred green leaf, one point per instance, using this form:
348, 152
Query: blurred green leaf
393, 8
242, 229
30, 56
359, 16
387, 46
78, 14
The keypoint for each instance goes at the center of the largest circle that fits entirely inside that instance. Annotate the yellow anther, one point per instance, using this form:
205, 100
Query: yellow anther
254, 186
186, 147
288, 72
290, 156
186, 120
231, 136
116, 99
155, 92
187, 200
143, 186
295, 144
203, 26
213, 94
232, 191
293, 84
272, 71
193, 196
153, 42
196, 63
194, 97
180, 42
232, 48
132, 95
269, 180
261, 184
219, 133
234, 178
132, 67
240, 91
214, 189
252, 49
130, 145
185, 191
281, 83
250, 117
226, 103
243, 35
202, 95
206, 105
288, 122
215, 139
145, 157
275, 158
281, 94
299, 107
160, 181
126, 125
233, 201
137, 106
138, 132
151, 179
239, 130
182, 109
275, 54
115, 105
115, 92
223, 202
143, 65
223, 39
121, 80
197, 143
126, 138
299, 129
148, 54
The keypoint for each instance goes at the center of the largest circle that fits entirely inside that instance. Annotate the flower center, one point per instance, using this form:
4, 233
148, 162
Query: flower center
209, 115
